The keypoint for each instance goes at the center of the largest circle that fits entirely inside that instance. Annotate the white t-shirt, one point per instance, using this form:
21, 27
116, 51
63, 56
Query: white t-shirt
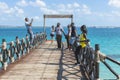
52, 31
59, 30
69, 31
27, 26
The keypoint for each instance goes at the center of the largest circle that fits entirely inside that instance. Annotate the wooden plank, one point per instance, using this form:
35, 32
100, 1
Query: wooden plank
58, 16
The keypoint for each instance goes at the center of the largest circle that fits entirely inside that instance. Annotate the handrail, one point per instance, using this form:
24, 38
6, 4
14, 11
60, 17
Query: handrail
90, 59
107, 65
103, 58
18, 48
112, 60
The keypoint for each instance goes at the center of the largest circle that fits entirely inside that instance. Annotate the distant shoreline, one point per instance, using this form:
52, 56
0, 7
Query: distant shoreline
63, 26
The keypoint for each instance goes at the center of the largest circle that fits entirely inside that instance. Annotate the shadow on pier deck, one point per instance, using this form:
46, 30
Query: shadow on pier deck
45, 63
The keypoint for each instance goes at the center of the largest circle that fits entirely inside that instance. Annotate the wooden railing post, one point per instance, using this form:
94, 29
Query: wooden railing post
11, 51
4, 54
18, 47
97, 48
27, 44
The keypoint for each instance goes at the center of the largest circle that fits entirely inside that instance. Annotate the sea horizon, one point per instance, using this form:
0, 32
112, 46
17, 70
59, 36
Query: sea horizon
9, 26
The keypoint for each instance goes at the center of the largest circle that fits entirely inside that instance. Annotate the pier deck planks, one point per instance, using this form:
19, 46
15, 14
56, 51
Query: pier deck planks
44, 64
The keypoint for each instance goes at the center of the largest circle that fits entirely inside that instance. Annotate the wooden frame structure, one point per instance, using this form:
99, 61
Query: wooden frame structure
56, 16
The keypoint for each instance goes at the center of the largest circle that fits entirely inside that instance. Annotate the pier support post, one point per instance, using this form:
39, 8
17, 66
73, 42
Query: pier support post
44, 25
97, 48
71, 18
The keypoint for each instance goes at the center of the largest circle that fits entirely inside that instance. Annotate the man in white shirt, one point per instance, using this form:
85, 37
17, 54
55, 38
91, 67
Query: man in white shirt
59, 31
29, 29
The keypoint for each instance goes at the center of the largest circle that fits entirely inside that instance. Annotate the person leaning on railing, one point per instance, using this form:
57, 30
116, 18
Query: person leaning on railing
83, 42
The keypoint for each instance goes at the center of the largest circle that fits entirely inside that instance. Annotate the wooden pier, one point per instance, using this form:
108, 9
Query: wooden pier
46, 62
43, 61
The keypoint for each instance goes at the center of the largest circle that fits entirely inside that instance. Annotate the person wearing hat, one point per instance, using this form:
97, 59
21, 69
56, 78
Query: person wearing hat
59, 30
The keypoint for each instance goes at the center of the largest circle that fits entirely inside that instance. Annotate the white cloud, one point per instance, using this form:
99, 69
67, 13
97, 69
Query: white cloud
36, 17
38, 3
10, 11
116, 13
101, 14
114, 3
86, 10
22, 3
113, 13
3, 5
69, 6
5, 9
61, 6
48, 11
76, 5
42, 5
18, 10
73, 8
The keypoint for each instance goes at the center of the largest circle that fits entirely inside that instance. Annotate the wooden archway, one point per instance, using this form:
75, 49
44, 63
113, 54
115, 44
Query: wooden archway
56, 16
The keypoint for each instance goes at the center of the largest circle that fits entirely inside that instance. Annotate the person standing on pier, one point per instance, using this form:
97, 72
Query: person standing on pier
52, 34
29, 29
73, 35
83, 43
68, 36
59, 31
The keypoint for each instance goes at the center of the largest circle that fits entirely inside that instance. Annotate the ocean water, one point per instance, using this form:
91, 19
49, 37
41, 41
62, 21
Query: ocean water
107, 38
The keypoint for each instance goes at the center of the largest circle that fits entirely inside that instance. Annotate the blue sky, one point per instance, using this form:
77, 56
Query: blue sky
89, 12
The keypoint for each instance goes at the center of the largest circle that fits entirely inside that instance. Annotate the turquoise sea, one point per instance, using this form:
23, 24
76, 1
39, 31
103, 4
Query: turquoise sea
108, 38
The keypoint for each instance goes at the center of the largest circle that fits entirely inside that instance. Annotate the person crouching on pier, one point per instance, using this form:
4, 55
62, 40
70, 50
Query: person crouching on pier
29, 29
59, 30
83, 43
